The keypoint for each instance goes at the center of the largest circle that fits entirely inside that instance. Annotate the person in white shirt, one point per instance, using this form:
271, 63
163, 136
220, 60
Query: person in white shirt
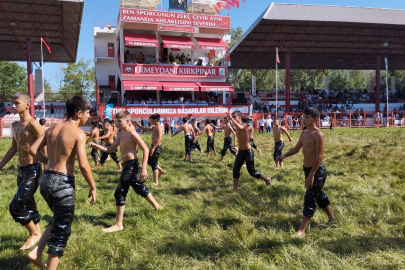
171, 123
142, 102
169, 101
181, 99
175, 101
268, 121
261, 125
163, 101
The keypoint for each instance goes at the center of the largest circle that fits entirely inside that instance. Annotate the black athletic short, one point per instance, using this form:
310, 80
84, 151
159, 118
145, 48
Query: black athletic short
210, 144
113, 155
228, 145
249, 157
315, 195
130, 178
188, 144
58, 190
23, 207
153, 160
278, 147
94, 154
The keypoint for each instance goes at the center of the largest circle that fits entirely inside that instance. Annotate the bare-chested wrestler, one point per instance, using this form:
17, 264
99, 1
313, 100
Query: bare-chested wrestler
188, 137
128, 140
279, 141
42, 122
156, 148
94, 137
209, 130
245, 152
248, 121
109, 137
228, 130
312, 143
196, 133
65, 142
25, 132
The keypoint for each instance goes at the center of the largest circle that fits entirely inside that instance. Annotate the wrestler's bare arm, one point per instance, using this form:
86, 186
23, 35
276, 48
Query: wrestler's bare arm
40, 143
10, 153
35, 128
319, 146
237, 125
138, 141
202, 131
91, 135
85, 166
286, 132
108, 149
106, 136
143, 128
293, 151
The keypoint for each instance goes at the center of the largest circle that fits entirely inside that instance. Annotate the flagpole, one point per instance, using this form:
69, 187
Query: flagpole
386, 85
43, 87
276, 83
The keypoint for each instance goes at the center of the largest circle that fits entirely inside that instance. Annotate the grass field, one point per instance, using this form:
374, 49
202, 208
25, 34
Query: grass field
205, 225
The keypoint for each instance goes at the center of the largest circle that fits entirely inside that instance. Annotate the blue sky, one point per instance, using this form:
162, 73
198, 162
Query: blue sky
107, 10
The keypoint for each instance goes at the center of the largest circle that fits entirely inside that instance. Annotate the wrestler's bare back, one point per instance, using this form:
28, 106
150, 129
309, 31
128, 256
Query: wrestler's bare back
63, 139
186, 129
308, 141
25, 134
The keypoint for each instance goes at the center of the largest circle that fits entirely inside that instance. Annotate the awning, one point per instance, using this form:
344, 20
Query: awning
211, 44
141, 85
141, 40
179, 86
215, 87
177, 42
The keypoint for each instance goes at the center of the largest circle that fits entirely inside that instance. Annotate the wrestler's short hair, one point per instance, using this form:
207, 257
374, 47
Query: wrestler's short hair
155, 116
42, 121
207, 121
23, 96
94, 123
123, 114
238, 113
193, 120
245, 119
184, 119
75, 104
312, 111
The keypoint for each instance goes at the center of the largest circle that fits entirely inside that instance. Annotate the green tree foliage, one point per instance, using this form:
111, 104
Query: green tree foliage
13, 79
78, 79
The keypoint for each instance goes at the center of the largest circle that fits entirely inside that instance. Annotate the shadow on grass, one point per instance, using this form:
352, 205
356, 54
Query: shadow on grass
225, 223
104, 220
20, 262
190, 190
12, 242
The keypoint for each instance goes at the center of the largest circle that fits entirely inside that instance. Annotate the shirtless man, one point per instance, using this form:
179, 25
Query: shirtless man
94, 137
108, 137
196, 133
65, 142
245, 152
42, 122
156, 148
279, 141
128, 140
248, 121
25, 132
188, 132
228, 139
312, 143
209, 130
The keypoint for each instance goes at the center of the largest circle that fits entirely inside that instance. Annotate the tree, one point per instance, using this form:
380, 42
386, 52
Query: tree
12, 80
78, 79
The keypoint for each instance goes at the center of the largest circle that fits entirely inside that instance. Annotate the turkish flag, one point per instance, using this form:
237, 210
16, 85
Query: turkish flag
278, 59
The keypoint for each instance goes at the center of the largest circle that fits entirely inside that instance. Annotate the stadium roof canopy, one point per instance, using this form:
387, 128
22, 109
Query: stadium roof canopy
57, 21
323, 37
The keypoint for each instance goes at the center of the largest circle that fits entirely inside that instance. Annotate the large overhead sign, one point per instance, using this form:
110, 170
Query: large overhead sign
173, 18
173, 70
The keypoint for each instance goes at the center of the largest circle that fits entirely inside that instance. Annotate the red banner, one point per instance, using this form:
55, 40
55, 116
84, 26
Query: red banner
179, 111
178, 46
141, 43
173, 18
170, 70
172, 28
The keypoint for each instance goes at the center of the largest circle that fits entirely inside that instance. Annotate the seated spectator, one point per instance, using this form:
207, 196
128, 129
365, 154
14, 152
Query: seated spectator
142, 102
175, 101
163, 101
136, 101
154, 101
169, 101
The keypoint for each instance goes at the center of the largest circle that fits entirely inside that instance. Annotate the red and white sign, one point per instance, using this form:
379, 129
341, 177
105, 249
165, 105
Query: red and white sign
173, 18
215, 87
170, 70
179, 111
211, 44
141, 85
180, 86
141, 40
141, 44
178, 46
173, 28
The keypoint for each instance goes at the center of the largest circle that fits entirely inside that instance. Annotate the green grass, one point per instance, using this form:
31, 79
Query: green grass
205, 225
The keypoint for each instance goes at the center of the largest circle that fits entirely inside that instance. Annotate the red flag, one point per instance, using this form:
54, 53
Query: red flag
278, 59
244, 1
49, 50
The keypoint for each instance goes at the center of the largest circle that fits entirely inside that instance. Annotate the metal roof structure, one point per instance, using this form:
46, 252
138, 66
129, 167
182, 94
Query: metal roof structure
323, 37
140, 4
57, 21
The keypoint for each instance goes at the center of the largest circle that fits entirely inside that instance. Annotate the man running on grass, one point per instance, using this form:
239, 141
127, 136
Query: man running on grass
228, 130
209, 130
128, 140
156, 148
66, 142
312, 143
279, 141
188, 132
25, 132
245, 152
